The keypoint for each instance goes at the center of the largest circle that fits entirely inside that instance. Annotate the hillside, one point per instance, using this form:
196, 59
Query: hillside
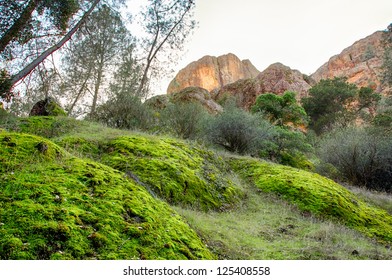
76, 190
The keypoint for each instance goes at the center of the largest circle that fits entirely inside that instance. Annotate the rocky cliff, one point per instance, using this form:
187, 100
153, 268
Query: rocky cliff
212, 73
277, 78
227, 75
360, 63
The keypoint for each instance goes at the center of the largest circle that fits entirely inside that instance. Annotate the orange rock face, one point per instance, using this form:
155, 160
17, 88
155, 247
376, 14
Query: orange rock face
277, 78
360, 63
212, 73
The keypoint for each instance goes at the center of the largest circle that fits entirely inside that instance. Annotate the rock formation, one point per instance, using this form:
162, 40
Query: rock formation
227, 75
47, 107
212, 73
360, 63
189, 94
277, 78
199, 95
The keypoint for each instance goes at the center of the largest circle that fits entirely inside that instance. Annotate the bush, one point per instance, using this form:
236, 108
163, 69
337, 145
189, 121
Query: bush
182, 119
125, 112
288, 147
362, 156
239, 131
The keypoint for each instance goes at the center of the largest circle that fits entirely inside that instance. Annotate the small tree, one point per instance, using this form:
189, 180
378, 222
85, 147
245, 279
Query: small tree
92, 56
167, 24
335, 101
281, 110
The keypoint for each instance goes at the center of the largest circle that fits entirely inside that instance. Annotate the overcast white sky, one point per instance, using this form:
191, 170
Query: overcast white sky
302, 34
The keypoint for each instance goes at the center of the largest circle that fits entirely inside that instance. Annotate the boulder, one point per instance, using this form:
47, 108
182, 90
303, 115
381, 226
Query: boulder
198, 95
47, 107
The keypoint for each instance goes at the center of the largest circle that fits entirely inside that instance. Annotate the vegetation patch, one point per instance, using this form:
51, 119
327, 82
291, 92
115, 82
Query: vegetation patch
45, 126
56, 206
315, 194
175, 171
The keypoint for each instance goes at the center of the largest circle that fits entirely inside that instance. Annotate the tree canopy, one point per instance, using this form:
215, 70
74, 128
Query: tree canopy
281, 109
335, 101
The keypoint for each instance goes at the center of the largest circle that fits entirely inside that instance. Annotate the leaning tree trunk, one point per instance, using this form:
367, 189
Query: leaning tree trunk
24, 72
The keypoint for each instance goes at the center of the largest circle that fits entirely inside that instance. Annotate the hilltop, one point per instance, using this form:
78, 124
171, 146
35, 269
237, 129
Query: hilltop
77, 190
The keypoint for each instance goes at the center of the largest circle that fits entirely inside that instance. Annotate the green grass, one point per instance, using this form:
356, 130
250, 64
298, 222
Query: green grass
266, 227
80, 190
317, 195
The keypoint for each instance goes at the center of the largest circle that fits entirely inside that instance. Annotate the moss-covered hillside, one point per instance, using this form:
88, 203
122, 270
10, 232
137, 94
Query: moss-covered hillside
76, 190
56, 206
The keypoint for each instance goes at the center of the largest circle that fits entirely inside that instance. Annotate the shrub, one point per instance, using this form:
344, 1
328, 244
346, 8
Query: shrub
362, 156
182, 119
288, 147
238, 131
124, 111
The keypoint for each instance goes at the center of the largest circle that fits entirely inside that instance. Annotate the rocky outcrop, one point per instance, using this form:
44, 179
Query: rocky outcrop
360, 63
212, 73
277, 78
189, 94
47, 107
198, 95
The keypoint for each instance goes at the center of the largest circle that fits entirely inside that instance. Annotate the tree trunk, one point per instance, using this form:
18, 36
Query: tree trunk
19, 24
24, 72
97, 86
79, 93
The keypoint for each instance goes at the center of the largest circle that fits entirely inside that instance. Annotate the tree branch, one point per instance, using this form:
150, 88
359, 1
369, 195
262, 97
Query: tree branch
24, 72
19, 24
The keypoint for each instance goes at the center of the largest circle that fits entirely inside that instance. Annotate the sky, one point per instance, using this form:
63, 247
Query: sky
302, 34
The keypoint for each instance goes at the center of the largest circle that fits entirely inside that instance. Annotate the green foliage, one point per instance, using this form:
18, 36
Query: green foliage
183, 119
281, 110
124, 111
332, 101
315, 194
238, 131
55, 206
362, 156
59, 11
43, 126
287, 147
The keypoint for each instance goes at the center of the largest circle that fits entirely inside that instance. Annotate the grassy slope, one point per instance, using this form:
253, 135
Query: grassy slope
56, 206
318, 195
248, 224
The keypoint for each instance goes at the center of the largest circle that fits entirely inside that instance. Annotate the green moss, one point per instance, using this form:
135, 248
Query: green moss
43, 126
55, 206
55, 109
175, 171
318, 195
